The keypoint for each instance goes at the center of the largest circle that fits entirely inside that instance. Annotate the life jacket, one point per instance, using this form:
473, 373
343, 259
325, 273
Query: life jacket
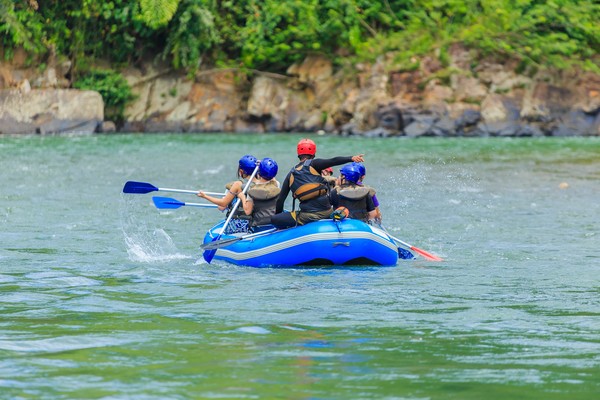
354, 198
230, 184
264, 196
371, 189
331, 180
309, 187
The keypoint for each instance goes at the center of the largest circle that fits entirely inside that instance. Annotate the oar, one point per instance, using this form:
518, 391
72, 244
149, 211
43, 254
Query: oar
169, 203
226, 242
143, 187
422, 252
209, 254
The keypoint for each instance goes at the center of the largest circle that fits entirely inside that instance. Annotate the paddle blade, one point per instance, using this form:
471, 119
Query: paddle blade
209, 254
138, 187
425, 254
404, 254
166, 202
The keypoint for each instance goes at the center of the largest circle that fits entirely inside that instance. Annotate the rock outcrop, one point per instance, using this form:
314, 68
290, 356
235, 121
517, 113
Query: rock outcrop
489, 99
49, 111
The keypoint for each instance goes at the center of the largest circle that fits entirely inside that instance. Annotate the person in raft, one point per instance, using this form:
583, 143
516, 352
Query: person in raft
356, 198
363, 172
308, 187
259, 202
327, 173
240, 222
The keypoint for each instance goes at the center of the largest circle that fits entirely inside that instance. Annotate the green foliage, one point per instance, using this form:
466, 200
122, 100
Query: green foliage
157, 13
191, 35
20, 25
114, 89
272, 34
558, 33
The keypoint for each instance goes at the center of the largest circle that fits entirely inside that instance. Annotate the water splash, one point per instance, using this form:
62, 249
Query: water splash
152, 247
145, 243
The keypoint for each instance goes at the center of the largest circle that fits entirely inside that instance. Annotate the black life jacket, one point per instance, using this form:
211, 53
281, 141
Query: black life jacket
309, 187
354, 198
265, 198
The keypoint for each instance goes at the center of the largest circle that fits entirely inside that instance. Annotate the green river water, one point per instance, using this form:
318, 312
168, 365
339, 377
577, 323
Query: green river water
104, 297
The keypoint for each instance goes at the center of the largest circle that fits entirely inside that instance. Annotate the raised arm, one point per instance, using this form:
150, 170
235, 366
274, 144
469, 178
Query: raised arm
321, 163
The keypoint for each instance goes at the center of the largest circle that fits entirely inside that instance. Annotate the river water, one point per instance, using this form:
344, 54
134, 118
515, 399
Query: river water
103, 296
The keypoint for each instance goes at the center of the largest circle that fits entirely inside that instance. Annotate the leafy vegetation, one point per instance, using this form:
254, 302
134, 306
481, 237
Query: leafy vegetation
271, 34
113, 88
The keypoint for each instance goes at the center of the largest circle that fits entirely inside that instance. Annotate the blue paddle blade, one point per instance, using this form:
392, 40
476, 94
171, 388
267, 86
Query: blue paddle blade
404, 254
166, 202
138, 187
208, 255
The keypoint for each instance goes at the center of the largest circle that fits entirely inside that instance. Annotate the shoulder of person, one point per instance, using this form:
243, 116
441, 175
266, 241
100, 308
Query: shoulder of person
371, 189
264, 191
236, 183
229, 185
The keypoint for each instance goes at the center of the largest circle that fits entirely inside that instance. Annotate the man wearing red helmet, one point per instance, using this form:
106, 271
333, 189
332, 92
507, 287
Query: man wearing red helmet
308, 187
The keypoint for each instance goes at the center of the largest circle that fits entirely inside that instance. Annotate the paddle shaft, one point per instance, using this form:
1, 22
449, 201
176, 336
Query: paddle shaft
144, 187
190, 191
227, 242
169, 203
237, 204
422, 252
201, 205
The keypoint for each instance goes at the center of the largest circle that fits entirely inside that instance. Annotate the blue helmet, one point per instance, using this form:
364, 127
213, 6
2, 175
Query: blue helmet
247, 164
268, 168
361, 168
351, 173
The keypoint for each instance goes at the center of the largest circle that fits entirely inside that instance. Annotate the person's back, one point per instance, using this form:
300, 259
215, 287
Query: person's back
308, 187
263, 194
356, 198
363, 172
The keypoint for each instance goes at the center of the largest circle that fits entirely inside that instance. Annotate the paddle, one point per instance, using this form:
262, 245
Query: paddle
169, 203
226, 242
422, 252
143, 187
209, 254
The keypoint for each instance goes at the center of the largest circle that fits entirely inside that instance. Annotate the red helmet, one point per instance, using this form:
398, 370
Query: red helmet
306, 146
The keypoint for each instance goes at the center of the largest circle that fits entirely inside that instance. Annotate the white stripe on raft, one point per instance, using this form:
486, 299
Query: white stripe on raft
238, 256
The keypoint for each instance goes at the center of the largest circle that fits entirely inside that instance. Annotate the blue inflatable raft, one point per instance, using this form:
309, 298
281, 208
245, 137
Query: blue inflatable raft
323, 243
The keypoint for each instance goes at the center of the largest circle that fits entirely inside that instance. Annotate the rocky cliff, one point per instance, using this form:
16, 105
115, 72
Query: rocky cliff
468, 98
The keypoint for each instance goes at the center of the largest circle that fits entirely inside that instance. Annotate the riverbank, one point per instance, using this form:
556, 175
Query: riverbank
468, 98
